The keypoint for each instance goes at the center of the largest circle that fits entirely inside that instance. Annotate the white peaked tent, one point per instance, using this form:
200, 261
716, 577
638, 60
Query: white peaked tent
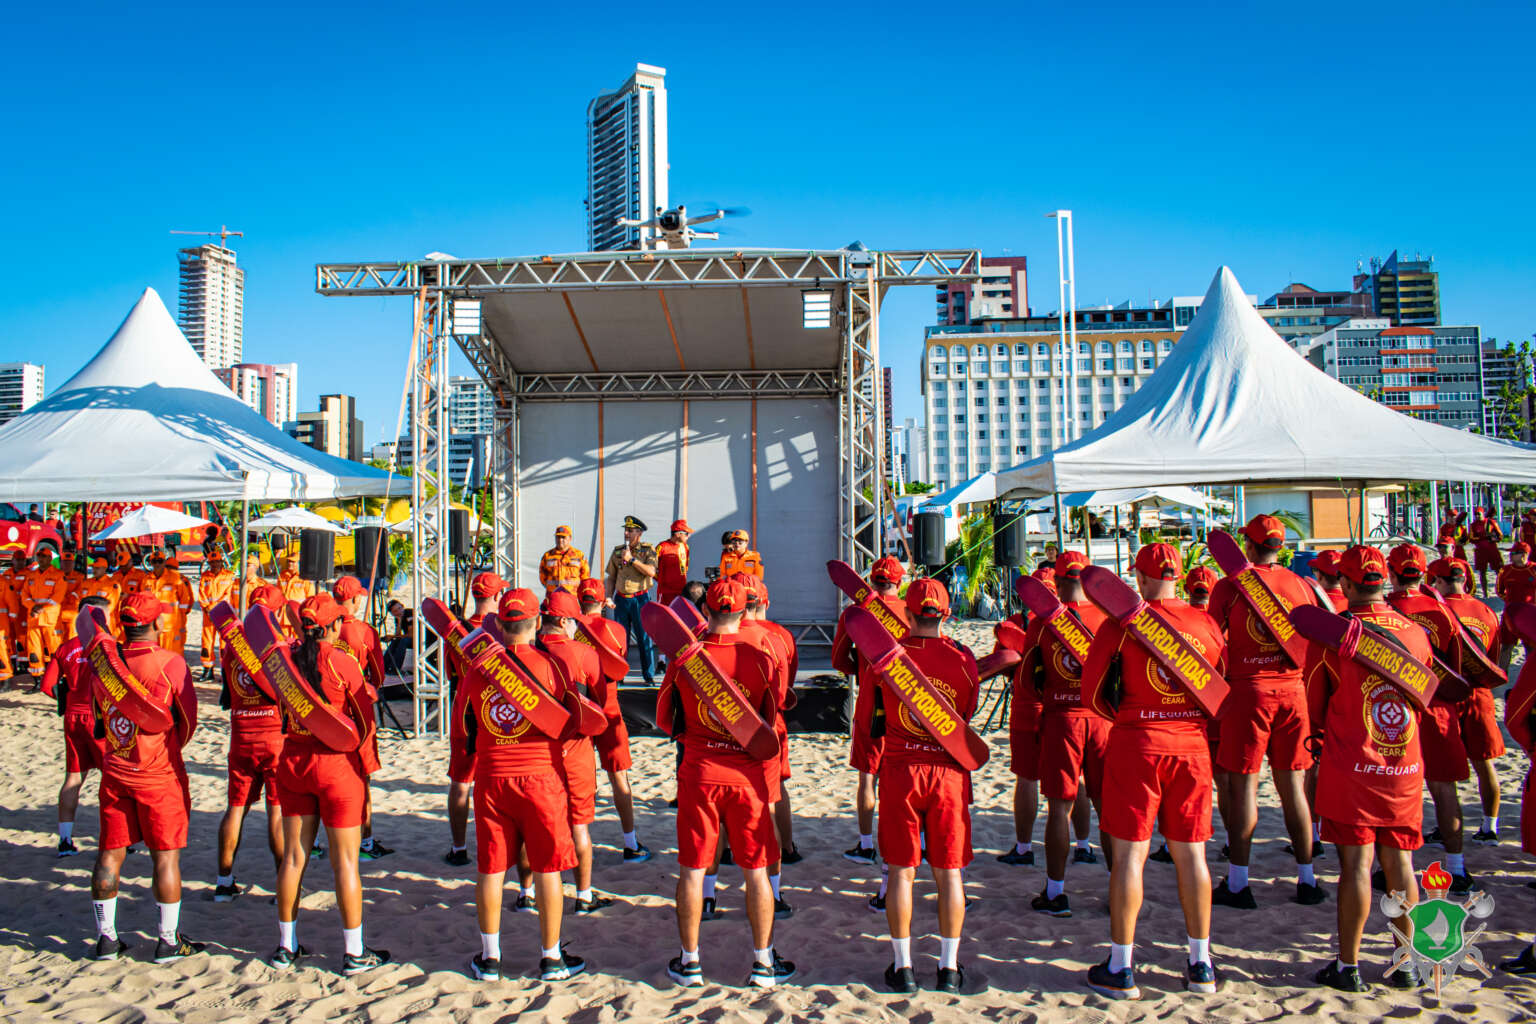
146, 419
1235, 404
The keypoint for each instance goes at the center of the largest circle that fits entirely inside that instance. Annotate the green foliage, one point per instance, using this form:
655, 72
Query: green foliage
918, 487
976, 542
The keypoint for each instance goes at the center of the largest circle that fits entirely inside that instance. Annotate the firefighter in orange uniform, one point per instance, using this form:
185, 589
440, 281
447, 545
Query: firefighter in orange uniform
130, 577
294, 586
162, 586
70, 606
253, 577
562, 565
217, 584
41, 595
672, 563
104, 585
13, 624
736, 558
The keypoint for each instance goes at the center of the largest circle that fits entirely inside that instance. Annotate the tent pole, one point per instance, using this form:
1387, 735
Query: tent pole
1061, 535
1119, 566
1434, 511
1363, 535
245, 517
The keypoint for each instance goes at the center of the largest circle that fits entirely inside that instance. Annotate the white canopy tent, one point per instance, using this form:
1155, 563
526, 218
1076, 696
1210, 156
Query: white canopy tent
977, 488
145, 419
148, 520
1235, 404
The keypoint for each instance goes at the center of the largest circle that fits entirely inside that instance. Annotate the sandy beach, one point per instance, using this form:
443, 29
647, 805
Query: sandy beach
1021, 966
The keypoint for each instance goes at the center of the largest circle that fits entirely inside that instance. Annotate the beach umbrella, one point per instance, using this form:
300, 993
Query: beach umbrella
295, 518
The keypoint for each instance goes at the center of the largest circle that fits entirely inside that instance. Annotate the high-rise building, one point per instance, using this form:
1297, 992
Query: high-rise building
21, 387
471, 408
1430, 373
627, 159
272, 390
1406, 292
885, 422
1300, 313
211, 309
333, 429
1001, 294
468, 458
912, 451
1502, 365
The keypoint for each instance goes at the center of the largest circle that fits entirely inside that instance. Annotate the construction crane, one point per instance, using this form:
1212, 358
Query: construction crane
224, 234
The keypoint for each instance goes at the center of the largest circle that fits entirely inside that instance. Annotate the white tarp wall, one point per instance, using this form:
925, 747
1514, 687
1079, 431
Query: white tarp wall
650, 466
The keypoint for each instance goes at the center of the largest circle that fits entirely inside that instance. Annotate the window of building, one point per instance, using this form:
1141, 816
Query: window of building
940, 403
1042, 349
1001, 400
981, 417
1146, 364
959, 417
1023, 417
958, 351
938, 387
981, 435
1146, 346
1042, 384
1126, 365
959, 385
1084, 349
1001, 351
1021, 350
1106, 366
981, 351
960, 369
981, 400
1166, 344
1021, 449
1127, 347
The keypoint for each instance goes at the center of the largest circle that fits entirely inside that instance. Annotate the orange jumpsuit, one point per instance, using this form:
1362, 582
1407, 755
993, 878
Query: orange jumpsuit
563, 569
13, 625
294, 586
215, 586
70, 606
42, 593
175, 593
749, 562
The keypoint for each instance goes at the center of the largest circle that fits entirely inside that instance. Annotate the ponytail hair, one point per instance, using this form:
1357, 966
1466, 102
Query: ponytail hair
306, 654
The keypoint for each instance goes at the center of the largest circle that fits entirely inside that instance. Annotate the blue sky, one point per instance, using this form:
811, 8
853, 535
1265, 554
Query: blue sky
1286, 141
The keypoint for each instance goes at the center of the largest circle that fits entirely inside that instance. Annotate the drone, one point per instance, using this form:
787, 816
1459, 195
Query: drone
674, 228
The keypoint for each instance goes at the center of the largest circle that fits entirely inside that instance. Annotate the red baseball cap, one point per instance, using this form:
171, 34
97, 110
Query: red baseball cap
1070, 565
269, 597
487, 584
319, 610
561, 603
725, 596
1448, 568
348, 587
1518, 546
887, 570
927, 599
1326, 563
680, 526
1200, 579
1266, 532
1364, 564
1159, 562
1046, 574
589, 590
517, 605
1407, 561
748, 584
762, 592
140, 609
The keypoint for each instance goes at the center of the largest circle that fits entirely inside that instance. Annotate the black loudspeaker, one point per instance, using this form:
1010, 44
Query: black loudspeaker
368, 545
317, 554
460, 541
928, 538
279, 542
1008, 540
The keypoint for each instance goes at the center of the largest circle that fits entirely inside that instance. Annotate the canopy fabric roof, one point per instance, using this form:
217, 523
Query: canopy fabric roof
148, 520
977, 488
1235, 404
1171, 495
146, 419
295, 517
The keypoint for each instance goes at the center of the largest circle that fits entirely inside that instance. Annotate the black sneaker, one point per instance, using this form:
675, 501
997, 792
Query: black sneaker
725, 856
1309, 895
1379, 880
876, 904
688, 975
1017, 859
791, 856
67, 847
367, 960
1405, 977
1083, 855
1433, 836
1463, 884
1318, 849
1114, 984
526, 904
900, 979
950, 979
1523, 965
456, 858
782, 910
286, 959
170, 952
482, 969
226, 893
1485, 837
111, 949
1241, 900
708, 911
1226, 851
766, 976
568, 966
639, 855
1345, 979
1056, 907
672, 802
592, 905
860, 854
1200, 978
1162, 856
375, 851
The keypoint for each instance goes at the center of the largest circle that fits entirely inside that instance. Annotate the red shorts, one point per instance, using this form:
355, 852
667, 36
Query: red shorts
82, 750
1480, 732
329, 785
1393, 838
1024, 754
613, 747
703, 807
1259, 722
1445, 756
865, 752
1508, 636
253, 769
925, 799
580, 774
1173, 790
528, 812
461, 766
153, 812
1487, 556
783, 731
1072, 746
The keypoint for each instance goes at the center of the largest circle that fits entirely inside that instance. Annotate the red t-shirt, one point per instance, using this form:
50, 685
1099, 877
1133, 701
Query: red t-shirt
1371, 771
1063, 693
845, 658
579, 667
1254, 659
787, 646
1480, 621
1026, 704
1436, 622
757, 633
251, 715
340, 679
671, 566
503, 741
1336, 595
951, 668
363, 643
134, 755
1517, 584
710, 755
65, 666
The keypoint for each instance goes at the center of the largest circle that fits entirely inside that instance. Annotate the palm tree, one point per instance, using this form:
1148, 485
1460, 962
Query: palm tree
976, 554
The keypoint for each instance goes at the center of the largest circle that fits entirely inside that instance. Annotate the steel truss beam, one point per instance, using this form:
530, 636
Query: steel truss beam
429, 502
552, 387
862, 474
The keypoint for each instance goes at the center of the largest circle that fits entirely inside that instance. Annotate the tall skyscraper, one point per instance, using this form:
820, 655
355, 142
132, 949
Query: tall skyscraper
272, 391
334, 429
471, 409
21, 387
211, 310
1407, 292
627, 159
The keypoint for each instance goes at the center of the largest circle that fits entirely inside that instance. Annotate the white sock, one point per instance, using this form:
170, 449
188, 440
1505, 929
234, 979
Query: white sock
901, 952
228, 879
1054, 887
353, 937
552, 953
1199, 950
885, 880
631, 842
584, 894
690, 957
1120, 956
709, 886
1023, 848
490, 945
1456, 863
459, 849
763, 956
1317, 831
1489, 825
1237, 877
773, 880
170, 918
1084, 844
106, 917
949, 952
1344, 966
866, 840
1304, 874
67, 828
287, 935
528, 892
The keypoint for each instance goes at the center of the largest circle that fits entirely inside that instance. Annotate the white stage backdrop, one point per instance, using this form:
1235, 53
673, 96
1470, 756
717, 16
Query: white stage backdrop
649, 465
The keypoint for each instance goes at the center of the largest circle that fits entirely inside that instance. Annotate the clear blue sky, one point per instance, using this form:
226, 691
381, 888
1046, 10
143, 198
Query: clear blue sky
1287, 141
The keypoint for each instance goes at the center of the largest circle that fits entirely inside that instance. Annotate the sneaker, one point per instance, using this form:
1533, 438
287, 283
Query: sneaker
1201, 978
1405, 977
456, 858
1082, 856
1057, 907
568, 966
860, 854
1017, 859
689, 975
1433, 836
317, 851
1309, 895
482, 969
1463, 884
367, 960
1162, 856
725, 856
111, 949
227, 893
1523, 965
1243, 899
67, 847
950, 979
639, 855
876, 904
1114, 984
708, 912
672, 802
374, 852
767, 976
900, 979
791, 856
1226, 851
526, 905
1345, 979
286, 959
170, 952
782, 910
592, 905
1485, 837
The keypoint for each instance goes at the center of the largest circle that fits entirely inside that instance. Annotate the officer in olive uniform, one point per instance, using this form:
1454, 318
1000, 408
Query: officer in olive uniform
630, 573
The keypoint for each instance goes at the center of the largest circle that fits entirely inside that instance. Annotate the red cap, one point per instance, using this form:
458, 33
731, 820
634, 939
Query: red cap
487, 584
140, 609
348, 587
1266, 532
517, 605
1070, 565
1364, 564
680, 526
1159, 561
319, 610
1407, 561
1448, 568
927, 599
1326, 563
748, 584
590, 590
1518, 546
762, 592
1046, 574
561, 603
725, 596
269, 597
1199, 580
562, 531
887, 570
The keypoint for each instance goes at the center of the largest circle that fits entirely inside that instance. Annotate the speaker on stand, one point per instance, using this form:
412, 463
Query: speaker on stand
370, 557
317, 555
928, 539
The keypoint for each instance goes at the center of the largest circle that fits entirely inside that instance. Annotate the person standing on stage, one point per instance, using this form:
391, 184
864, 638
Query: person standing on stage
65, 681
217, 584
486, 588
630, 572
613, 743
1485, 535
562, 565
672, 563
738, 558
